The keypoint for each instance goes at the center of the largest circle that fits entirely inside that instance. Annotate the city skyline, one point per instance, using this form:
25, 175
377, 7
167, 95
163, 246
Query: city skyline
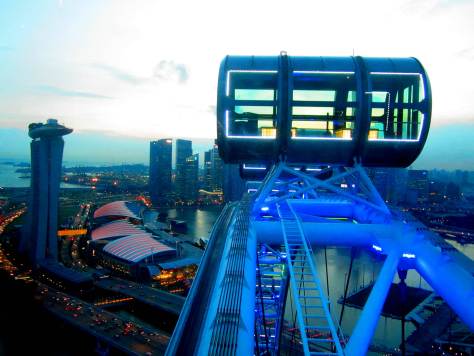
447, 148
104, 75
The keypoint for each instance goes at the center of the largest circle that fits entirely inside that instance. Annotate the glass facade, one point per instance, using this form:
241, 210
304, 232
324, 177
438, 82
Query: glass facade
396, 109
160, 170
253, 113
323, 105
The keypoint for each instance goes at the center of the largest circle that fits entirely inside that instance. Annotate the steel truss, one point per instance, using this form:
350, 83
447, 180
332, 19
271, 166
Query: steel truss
288, 193
271, 288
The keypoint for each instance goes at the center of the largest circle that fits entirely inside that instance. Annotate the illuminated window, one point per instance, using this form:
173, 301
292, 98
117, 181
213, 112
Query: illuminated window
268, 131
323, 105
254, 94
314, 95
316, 111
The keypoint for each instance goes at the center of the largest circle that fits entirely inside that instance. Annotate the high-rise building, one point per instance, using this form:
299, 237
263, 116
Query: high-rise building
217, 171
390, 183
213, 171
207, 177
453, 191
160, 170
40, 239
461, 177
437, 191
184, 149
417, 187
191, 172
381, 179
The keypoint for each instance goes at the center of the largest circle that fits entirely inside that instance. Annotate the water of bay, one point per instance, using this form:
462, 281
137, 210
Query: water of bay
9, 178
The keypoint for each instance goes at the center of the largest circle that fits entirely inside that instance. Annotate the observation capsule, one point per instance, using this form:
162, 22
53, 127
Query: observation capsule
322, 110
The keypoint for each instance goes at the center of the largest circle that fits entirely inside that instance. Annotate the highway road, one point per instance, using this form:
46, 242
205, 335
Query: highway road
110, 328
154, 297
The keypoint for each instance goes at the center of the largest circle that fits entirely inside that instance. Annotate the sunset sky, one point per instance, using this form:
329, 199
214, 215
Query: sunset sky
148, 69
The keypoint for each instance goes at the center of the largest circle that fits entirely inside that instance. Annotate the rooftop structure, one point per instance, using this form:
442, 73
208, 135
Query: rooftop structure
135, 248
120, 209
115, 229
50, 129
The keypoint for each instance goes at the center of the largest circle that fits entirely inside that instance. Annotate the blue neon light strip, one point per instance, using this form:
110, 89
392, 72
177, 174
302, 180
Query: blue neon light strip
227, 88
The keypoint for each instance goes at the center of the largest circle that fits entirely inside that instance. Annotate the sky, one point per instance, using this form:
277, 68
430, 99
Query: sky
140, 69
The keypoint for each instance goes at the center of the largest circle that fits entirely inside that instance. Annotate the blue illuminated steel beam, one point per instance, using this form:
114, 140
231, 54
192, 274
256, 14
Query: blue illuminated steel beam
452, 282
326, 184
365, 328
267, 184
230, 310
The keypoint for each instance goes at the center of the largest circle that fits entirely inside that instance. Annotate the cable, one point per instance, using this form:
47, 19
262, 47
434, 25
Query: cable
347, 286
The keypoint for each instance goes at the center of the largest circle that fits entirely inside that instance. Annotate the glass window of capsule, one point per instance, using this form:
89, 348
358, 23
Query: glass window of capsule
395, 106
254, 95
323, 104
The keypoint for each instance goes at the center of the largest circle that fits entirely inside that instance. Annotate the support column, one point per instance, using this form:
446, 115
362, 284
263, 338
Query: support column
365, 328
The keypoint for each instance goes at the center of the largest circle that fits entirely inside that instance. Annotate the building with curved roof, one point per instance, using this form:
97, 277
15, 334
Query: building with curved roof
115, 229
120, 208
135, 248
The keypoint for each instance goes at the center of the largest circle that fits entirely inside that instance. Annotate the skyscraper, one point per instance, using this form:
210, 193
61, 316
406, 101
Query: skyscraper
390, 183
191, 171
184, 149
207, 179
40, 239
213, 171
160, 170
417, 187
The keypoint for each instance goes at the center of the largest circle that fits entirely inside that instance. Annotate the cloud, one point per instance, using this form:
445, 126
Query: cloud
70, 93
211, 109
120, 74
467, 53
4, 48
165, 70
171, 71
432, 7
